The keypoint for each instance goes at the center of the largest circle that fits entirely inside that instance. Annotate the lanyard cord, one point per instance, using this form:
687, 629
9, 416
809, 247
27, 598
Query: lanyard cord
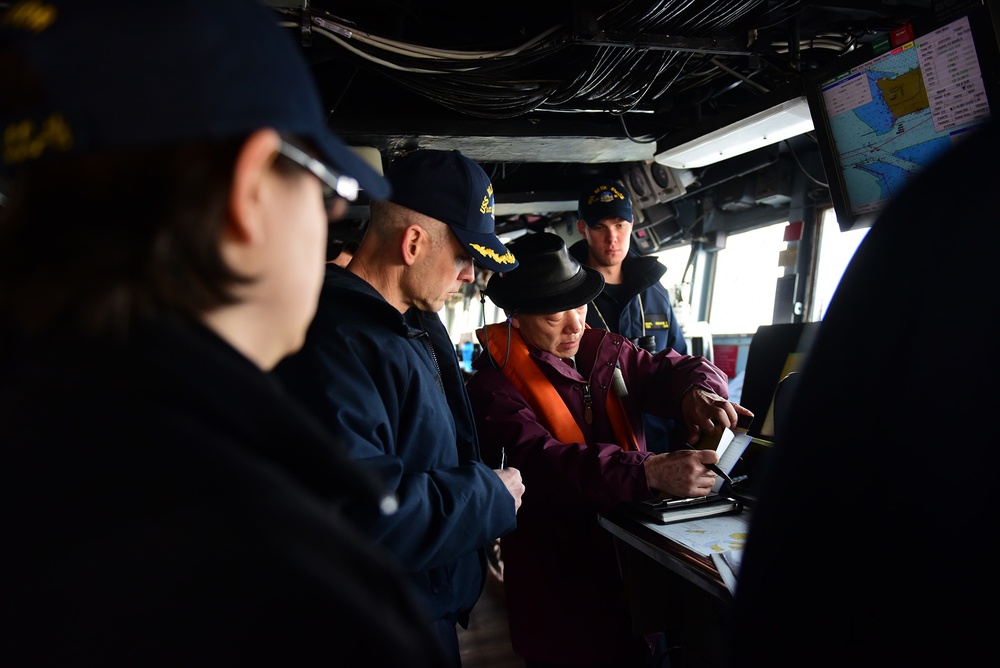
642, 315
600, 315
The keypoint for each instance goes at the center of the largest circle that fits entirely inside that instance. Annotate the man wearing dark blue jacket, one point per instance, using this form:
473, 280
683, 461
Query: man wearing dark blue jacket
380, 369
633, 303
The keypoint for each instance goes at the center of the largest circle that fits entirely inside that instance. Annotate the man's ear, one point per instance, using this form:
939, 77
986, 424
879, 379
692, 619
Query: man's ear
415, 240
581, 227
250, 178
515, 322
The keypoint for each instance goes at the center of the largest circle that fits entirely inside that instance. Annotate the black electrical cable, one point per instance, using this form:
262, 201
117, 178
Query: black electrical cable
611, 78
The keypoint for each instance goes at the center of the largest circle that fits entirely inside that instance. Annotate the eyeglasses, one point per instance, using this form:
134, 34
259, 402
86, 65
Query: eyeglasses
334, 184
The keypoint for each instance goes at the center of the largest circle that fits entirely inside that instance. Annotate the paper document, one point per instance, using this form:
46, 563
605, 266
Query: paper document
728, 565
735, 446
709, 535
717, 440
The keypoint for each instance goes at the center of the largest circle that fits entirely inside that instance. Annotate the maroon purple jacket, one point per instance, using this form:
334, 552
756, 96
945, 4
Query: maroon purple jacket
561, 575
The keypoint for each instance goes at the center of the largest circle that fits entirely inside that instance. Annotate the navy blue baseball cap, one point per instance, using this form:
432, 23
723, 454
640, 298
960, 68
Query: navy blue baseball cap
602, 200
124, 74
451, 188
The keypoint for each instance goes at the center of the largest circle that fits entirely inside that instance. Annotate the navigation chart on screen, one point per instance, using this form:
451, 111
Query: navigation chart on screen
898, 111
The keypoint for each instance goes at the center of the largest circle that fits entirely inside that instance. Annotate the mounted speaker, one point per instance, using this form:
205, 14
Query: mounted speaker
651, 183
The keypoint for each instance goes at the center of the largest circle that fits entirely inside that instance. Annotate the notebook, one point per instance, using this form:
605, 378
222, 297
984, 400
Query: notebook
724, 499
667, 511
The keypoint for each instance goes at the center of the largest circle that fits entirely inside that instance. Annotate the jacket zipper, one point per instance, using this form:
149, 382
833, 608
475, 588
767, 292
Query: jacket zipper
426, 338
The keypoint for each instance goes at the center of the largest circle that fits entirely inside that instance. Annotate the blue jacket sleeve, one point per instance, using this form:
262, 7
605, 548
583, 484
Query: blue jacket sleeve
380, 398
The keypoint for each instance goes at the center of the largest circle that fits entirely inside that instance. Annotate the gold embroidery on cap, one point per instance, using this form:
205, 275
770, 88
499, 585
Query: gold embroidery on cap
605, 194
24, 141
485, 207
30, 15
490, 253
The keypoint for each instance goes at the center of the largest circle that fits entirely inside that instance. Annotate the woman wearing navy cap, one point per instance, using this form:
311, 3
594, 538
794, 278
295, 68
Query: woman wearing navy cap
164, 501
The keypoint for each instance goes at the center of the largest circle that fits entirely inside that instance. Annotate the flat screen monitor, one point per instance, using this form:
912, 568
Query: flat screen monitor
882, 117
775, 351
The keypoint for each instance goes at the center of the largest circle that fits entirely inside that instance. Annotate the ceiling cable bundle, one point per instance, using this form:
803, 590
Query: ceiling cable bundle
532, 75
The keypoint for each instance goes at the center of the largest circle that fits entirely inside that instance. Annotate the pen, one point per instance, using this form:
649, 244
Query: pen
503, 458
719, 472
714, 468
682, 502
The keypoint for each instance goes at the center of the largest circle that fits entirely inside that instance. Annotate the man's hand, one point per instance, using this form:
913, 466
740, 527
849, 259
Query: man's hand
681, 473
703, 411
511, 478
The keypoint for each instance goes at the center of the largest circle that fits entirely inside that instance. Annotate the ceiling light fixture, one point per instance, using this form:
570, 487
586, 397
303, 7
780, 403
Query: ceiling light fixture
783, 121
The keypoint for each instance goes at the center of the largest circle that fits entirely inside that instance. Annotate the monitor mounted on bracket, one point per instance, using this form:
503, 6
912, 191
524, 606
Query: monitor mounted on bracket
885, 112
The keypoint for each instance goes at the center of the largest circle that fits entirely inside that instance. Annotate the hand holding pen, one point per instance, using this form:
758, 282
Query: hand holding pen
714, 468
511, 478
680, 473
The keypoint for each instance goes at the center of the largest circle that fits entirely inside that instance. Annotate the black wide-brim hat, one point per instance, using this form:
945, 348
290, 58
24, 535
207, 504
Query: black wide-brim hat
547, 279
